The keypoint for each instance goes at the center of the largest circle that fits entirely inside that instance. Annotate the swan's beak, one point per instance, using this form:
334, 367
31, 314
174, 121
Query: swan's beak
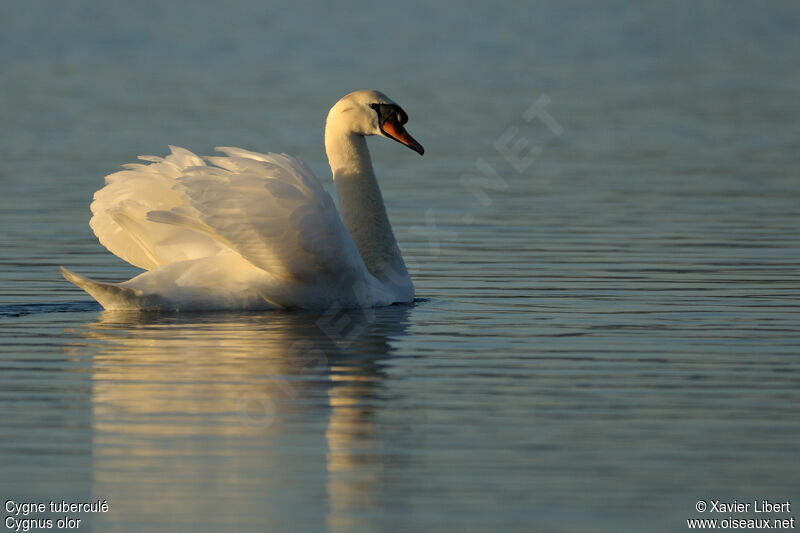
392, 128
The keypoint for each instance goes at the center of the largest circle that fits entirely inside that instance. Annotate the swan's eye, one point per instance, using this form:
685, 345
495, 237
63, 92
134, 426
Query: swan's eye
387, 111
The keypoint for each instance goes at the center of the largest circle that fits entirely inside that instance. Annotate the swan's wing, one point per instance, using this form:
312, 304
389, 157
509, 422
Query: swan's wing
119, 213
271, 210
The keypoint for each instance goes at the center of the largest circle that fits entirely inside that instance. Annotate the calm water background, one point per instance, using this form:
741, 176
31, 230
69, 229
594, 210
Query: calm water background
607, 336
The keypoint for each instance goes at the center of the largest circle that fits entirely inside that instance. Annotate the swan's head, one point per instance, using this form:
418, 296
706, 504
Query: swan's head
372, 113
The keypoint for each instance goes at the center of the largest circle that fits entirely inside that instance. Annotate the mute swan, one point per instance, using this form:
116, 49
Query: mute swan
256, 231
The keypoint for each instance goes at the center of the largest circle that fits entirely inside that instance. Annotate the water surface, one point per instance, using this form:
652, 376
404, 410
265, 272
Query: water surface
605, 333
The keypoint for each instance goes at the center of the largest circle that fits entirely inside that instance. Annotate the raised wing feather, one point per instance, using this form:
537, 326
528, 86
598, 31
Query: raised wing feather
120, 213
271, 210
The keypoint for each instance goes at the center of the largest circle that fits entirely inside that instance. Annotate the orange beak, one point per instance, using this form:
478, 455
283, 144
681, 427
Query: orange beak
392, 128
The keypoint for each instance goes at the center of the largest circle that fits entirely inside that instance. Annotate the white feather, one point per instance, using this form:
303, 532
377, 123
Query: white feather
246, 230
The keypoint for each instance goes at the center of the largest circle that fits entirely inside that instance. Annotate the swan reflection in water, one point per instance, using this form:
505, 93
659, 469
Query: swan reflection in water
246, 419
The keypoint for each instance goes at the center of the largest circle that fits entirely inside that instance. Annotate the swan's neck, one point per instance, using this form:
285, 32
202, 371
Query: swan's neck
361, 205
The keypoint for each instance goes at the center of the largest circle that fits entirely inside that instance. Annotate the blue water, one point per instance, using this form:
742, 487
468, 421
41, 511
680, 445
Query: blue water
607, 329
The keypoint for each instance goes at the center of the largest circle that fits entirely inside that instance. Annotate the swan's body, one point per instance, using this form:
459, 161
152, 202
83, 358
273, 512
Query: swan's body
256, 231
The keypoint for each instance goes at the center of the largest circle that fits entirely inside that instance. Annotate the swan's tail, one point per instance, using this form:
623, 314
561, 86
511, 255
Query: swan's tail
109, 295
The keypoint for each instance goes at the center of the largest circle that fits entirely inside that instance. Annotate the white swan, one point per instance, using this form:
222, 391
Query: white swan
256, 231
